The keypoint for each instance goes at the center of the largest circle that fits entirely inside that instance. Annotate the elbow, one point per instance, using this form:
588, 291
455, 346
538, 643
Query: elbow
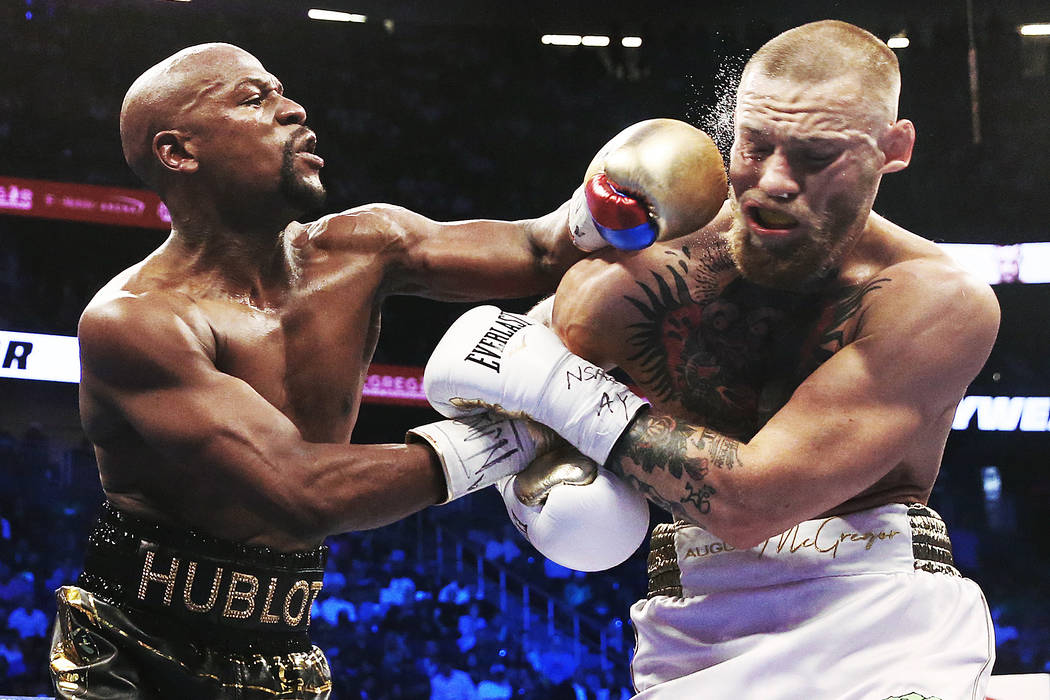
746, 539
742, 518
301, 513
736, 531
739, 534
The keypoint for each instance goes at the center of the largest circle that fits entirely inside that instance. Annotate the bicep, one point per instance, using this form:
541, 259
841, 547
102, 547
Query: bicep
845, 427
863, 411
158, 376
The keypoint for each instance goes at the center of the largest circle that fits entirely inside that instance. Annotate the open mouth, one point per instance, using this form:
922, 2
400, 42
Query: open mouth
306, 152
770, 221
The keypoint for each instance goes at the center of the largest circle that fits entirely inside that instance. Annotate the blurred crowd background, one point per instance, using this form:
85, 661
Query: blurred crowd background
464, 113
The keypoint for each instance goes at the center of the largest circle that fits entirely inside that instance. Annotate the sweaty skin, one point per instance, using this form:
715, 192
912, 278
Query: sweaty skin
222, 375
803, 355
772, 407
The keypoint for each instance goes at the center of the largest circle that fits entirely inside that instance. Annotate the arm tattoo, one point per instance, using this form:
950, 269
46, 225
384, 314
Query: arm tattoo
675, 509
685, 453
722, 449
701, 499
670, 307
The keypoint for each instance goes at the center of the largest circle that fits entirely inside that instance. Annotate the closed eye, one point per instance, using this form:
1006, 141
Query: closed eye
820, 160
817, 158
755, 152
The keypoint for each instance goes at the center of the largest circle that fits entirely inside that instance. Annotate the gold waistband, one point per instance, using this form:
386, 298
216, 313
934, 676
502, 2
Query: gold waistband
931, 548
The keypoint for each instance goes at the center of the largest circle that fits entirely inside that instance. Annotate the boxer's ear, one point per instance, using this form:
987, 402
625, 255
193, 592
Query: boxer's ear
174, 150
896, 145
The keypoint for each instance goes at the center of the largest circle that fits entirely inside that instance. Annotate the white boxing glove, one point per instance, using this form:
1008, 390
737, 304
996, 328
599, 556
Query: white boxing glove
574, 512
655, 180
478, 450
493, 359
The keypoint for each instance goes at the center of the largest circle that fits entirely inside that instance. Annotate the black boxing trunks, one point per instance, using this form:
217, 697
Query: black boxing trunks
162, 613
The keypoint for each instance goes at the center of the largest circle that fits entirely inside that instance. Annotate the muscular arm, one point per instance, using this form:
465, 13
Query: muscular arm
480, 259
221, 457
847, 425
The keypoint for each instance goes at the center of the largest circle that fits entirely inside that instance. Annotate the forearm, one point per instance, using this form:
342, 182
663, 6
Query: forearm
677, 465
744, 492
515, 258
551, 243
399, 480
345, 488
485, 259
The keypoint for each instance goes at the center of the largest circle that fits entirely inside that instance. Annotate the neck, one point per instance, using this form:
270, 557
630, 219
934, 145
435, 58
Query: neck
201, 213
253, 268
242, 247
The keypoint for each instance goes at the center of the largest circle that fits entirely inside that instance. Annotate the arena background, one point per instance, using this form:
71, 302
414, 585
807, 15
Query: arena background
459, 110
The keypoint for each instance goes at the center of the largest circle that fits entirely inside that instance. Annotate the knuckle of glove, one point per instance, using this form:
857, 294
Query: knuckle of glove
564, 466
612, 205
622, 220
676, 168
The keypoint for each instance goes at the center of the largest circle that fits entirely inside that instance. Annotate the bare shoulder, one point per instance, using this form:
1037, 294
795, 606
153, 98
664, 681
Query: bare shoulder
930, 296
609, 270
371, 227
153, 333
922, 266
598, 295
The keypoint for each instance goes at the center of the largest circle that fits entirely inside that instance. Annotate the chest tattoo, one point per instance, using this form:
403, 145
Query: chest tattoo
729, 351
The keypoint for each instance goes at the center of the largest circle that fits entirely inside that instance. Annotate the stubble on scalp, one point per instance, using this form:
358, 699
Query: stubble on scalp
825, 51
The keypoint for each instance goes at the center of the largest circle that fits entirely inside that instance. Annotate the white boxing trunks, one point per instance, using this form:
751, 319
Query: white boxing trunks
865, 606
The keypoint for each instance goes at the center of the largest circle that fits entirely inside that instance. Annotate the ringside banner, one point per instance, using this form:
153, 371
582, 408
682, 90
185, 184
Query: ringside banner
56, 358
49, 358
74, 202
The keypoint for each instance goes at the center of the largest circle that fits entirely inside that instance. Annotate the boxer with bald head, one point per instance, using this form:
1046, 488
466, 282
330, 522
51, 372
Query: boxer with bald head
221, 380
803, 358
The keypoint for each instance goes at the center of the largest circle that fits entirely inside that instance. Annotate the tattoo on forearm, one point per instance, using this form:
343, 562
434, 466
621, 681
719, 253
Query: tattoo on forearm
658, 444
650, 493
723, 450
701, 499
685, 452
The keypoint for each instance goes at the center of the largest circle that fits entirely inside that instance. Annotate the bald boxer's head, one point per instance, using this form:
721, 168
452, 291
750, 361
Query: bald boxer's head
211, 121
816, 128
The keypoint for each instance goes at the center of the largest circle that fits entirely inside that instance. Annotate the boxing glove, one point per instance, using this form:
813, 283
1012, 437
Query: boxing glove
574, 512
493, 359
655, 180
479, 450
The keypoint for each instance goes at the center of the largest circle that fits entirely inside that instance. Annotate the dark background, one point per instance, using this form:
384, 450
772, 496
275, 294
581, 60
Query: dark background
457, 111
